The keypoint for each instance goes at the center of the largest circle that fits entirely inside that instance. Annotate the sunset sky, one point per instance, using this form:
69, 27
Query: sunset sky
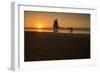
45, 19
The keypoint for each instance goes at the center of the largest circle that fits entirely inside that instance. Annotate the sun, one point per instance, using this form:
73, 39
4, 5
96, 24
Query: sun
39, 26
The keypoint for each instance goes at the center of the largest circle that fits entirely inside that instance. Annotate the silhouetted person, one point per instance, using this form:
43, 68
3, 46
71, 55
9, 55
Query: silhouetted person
55, 26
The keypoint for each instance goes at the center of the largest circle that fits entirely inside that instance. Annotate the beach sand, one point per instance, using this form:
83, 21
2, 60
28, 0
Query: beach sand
40, 46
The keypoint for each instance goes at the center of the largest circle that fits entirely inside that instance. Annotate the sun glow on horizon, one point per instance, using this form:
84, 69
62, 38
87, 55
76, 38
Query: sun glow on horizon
39, 26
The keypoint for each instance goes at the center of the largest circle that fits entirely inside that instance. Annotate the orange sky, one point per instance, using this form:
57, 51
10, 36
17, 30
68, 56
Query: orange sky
45, 19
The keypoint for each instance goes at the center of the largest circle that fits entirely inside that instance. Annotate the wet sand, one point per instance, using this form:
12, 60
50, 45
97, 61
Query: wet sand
40, 46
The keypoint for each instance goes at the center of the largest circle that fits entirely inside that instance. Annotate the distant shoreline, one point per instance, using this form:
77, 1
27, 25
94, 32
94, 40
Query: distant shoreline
86, 29
51, 31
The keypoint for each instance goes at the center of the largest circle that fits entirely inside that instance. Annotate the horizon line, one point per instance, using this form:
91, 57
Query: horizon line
58, 28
